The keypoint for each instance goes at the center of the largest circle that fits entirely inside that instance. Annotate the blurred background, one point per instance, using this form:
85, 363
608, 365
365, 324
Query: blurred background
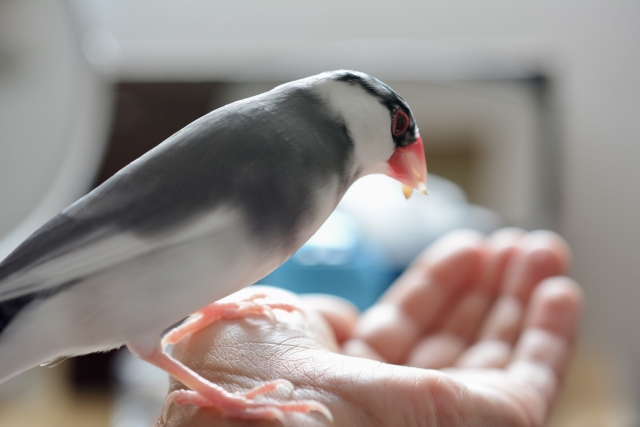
530, 113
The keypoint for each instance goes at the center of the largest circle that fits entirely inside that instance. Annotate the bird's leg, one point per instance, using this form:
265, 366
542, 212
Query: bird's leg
206, 394
224, 311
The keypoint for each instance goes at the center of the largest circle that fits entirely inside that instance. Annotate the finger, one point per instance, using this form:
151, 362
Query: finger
341, 314
542, 254
538, 255
471, 309
420, 296
541, 355
360, 348
494, 347
502, 245
441, 349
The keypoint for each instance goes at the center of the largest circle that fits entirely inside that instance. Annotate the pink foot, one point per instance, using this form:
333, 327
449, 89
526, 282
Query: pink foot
267, 388
206, 394
219, 311
242, 406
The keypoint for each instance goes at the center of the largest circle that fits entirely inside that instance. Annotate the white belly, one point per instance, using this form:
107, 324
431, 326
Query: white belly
141, 297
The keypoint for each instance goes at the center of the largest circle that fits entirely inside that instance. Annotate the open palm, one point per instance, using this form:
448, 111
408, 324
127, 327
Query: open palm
477, 332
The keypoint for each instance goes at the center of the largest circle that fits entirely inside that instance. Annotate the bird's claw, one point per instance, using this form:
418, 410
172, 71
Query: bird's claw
225, 311
243, 405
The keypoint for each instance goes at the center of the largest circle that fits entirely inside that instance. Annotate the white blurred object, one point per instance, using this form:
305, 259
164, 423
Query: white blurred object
102, 50
55, 112
405, 227
141, 391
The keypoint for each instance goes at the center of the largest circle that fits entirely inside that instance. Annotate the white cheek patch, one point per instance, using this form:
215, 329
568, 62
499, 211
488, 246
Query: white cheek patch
368, 121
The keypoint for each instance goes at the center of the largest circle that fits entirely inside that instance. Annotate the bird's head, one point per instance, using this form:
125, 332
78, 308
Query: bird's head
380, 123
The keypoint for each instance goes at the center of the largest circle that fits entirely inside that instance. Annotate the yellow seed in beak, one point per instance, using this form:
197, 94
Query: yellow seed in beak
407, 191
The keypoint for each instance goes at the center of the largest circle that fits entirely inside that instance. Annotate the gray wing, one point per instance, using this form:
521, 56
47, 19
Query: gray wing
60, 252
265, 156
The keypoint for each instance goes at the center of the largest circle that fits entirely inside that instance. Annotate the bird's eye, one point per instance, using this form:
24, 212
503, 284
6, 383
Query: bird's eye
400, 123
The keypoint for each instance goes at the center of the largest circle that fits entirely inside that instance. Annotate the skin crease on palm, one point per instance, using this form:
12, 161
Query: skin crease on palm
477, 332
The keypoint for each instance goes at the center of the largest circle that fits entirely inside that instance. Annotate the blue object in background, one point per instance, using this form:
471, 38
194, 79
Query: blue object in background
337, 260
373, 236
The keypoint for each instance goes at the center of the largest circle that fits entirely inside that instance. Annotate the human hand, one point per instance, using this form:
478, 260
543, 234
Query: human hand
485, 312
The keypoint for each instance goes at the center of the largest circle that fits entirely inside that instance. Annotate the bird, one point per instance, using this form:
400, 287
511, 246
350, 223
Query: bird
212, 209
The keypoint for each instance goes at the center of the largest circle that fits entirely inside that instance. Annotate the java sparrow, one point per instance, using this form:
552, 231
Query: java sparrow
214, 208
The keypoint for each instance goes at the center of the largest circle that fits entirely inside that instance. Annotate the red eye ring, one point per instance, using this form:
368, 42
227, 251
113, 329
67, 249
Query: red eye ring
400, 123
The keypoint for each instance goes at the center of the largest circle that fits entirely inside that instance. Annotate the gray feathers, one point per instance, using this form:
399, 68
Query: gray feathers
212, 209
250, 155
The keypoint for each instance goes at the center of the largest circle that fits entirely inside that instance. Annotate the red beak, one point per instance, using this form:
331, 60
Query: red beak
408, 165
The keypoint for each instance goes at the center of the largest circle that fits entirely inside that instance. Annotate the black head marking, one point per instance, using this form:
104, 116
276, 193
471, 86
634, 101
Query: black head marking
387, 97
